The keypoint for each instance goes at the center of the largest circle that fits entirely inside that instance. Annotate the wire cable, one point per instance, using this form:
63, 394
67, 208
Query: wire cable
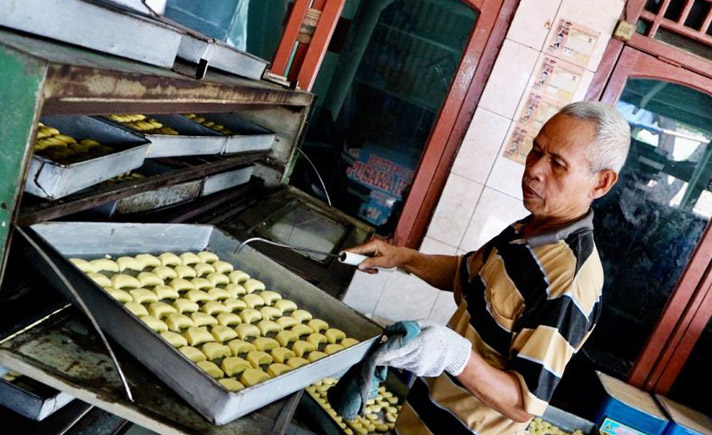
323, 186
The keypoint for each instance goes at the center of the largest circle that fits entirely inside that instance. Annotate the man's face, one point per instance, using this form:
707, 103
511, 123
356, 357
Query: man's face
557, 181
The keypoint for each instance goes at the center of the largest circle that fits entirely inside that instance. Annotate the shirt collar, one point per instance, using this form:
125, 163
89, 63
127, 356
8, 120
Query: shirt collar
553, 235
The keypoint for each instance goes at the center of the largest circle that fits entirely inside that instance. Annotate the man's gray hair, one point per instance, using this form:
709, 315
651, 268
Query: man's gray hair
610, 148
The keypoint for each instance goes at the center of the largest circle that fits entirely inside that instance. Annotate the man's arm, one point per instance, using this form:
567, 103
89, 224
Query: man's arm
436, 270
498, 389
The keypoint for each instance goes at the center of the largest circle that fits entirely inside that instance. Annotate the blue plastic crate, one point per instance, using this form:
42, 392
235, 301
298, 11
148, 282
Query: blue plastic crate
627, 410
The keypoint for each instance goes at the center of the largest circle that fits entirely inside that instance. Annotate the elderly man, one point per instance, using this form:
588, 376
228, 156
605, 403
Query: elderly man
527, 300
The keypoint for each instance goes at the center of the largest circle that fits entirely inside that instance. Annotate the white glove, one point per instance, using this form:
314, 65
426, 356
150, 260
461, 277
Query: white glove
436, 349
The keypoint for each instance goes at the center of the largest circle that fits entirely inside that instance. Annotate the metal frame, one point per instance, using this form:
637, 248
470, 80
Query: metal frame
454, 118
689, 307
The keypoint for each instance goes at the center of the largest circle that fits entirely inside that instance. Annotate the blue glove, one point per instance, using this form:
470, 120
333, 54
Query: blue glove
360, 383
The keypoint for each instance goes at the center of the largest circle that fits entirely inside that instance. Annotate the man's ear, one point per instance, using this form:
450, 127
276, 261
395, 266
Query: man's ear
605, 180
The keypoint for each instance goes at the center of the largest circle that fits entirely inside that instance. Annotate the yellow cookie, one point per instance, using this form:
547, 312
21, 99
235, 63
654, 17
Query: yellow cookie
165, 292
301, 347
211, 369
252, 377
215, 350
120, 295
234, 365
238, 277
282, 354
265, 343
277, 369
153, 323
223, 333
202, 319
231, 385
246, 330
202, 269
270, 297
185, 306
176, 322
174, 339
193, 354
136, 308
198, 335
229, 319
240, 346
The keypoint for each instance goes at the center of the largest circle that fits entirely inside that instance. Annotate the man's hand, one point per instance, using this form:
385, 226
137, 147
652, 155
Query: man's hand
383, 255
434, 350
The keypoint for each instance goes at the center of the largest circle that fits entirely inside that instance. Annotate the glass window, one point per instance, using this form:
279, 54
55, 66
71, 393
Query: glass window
379, 97
305, 227
648, 226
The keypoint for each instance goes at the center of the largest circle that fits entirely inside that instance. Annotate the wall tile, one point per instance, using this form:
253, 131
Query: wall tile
480, 146
454, 210
444, 308
600, 15
431, 246
494, 212
508, 79
364, 291
532, 22
405, 297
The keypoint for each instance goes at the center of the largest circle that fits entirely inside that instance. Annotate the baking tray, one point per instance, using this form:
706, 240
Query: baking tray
226, 180
103, 28
217, 54
192, 138
316, 419
30, 398
52, 180
246, 135
59, 240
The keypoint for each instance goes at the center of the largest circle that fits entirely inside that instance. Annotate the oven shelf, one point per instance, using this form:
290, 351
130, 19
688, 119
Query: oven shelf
34, 210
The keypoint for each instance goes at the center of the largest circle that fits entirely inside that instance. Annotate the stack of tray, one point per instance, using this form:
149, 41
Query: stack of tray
59, 240
122, 31
49, 179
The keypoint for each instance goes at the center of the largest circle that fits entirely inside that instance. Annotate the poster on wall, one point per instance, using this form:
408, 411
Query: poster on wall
554, 85
573, 42
387, 174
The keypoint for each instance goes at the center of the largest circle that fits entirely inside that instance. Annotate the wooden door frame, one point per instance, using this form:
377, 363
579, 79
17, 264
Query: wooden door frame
454, 118
689, 307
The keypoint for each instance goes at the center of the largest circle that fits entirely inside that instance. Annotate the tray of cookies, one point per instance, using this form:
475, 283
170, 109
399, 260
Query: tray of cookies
75, 152
229, 332
175, 135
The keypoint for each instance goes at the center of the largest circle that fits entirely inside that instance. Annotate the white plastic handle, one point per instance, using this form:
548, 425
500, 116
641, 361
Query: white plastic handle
355, 259
351, 259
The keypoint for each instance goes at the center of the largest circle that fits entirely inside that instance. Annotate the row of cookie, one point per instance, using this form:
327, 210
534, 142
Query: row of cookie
143, 261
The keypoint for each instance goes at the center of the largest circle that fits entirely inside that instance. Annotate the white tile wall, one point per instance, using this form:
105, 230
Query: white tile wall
405, 297
364, 291
495, 211
480, 146
532, 22
431, 246
508, 79
454, 210
443, 308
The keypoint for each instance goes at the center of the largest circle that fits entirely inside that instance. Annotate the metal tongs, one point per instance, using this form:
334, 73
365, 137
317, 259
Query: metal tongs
83, 306
343, 257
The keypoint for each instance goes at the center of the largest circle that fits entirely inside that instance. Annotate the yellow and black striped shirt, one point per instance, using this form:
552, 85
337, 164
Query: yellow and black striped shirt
527, 305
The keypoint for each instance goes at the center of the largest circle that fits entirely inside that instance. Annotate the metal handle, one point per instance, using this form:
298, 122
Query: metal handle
84, 308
